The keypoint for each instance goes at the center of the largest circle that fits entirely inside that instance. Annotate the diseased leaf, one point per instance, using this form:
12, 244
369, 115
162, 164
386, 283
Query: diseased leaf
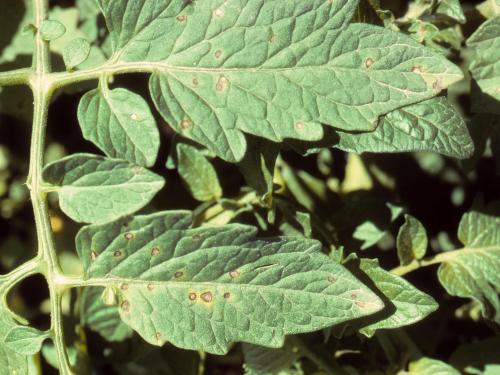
432, 125
428, 366
227, 285
411, 304
25, 340
311, 67
120, 123
76, 52
474, 271
95, 189
198, 173
51, 30
411, 241
101, 318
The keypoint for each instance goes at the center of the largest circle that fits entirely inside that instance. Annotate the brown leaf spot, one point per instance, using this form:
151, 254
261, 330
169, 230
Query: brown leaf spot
227, 295
219, 12
134, 116
93, 255
234, 274
129, 236
117, 253
124, 286
192, 296
181, 18
196, 236
361, 304
155, 251
437, 85
332, 279
369, 62
125, 306
416, 69
222, 83
150, 286
207, 297
196, 82
186, 124
299, 126
354, 295
218, 54
273, 38
178, 274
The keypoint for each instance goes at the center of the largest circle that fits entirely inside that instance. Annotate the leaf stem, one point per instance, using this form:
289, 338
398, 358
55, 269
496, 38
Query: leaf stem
15, 77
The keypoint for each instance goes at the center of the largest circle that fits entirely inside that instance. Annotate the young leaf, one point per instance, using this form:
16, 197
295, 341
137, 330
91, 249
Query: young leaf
101, 318
120, 123
485, 68
51, 30
452, 9
25, 340
411, 240
309, 65
225, 284
198, 173
432, 125
95, 189
76, 52
411, 304
474, 271
428, 366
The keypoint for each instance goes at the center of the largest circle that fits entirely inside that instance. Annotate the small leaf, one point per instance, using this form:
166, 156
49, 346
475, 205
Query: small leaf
76, 52
369, 234
120, 123
227, 285
198, 173
266, 361
452, 9
411, 240
428, 366
432, 125
474, 271
411, 304
51, 30
25, 340
96, 189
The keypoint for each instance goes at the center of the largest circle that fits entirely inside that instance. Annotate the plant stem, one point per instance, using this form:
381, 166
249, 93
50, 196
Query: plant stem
15, 77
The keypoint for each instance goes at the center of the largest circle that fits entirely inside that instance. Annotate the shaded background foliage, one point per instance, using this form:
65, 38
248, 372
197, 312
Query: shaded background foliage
346, 193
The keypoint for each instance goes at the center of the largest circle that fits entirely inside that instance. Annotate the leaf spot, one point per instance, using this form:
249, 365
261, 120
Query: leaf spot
181, 18
93, 255
196, 82
186, 124
129, 236
155, 251
354, 296
437, 85
178, 274
207, 297
417, 69
227, 295
192, 296
219, 12
361, 304
222, 83
299, 126
197, 236
369, 62
332, 279
234, 274
218, 54
125, 306
273, 38
124, 286
150, 286
134, 116
117, 253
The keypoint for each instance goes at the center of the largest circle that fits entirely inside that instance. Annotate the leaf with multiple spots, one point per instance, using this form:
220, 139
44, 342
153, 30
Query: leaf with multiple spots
95, 189
205, 288
268, 68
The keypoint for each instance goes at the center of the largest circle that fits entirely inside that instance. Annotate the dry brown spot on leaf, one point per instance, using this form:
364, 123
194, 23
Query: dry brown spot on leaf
218, 54
227, 295
129, 236
186, 124
117, 253
207, 297
219, 12
417, 69
124, 286
369, 62
196, 236
155, 251
181, 18
234, 274
273, 38
196, 82
299, 126
361, 304
222, 83
192, 296
150, 286
178, 274
125, 306
93, 255
332, 279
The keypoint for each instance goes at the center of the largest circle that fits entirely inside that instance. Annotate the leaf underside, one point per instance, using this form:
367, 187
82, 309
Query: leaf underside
227, 285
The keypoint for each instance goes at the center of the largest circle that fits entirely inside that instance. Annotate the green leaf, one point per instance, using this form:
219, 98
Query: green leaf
411, 241
101, 318
228, 67
485, 67
265, 361
474, 271
25, 340
432, 125
95, 189
51, 30
369, 234
76, 52
120, 123
226, 285
428, 366
452, 9
411, 305
197, 173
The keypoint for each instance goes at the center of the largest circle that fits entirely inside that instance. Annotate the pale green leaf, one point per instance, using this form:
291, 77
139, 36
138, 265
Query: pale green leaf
265, 361
120, 123
76, 52
101, 318
51, 30
474, 271
428, 366
368, 233
411, 241
197, 173
432, 125
411, 305
226, 285
452, 9
95, 189
274, 70
25, 340
485, 67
